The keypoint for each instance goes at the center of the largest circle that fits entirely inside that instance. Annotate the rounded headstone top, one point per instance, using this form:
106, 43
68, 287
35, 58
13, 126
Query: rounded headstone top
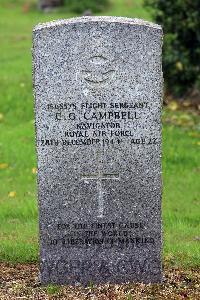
102, 19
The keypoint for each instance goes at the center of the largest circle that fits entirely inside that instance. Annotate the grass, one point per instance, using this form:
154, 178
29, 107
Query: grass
181, 157
53, 289
18, 211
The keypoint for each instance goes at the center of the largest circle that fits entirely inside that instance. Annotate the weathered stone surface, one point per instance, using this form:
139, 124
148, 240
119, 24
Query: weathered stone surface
98, 98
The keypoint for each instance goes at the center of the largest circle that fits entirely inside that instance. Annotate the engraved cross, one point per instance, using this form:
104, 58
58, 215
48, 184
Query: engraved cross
99, 177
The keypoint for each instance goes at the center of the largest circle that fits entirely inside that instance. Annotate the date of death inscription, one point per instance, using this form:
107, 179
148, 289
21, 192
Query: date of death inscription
106, 235
97, 124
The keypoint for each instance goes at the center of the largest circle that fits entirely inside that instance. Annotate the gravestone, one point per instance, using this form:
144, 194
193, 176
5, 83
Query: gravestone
49, 4
98, 97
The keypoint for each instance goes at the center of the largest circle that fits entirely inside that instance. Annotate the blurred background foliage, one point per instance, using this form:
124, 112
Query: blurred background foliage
181, 57
86, 5
181, 23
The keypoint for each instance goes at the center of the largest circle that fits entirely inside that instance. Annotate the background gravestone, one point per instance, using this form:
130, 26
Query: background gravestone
48, 4
98, 97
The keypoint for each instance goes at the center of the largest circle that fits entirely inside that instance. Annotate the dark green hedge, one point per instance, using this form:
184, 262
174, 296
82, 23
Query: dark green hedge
181, 58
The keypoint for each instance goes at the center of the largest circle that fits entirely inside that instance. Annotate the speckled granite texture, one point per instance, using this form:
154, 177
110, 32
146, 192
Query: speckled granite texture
98, 99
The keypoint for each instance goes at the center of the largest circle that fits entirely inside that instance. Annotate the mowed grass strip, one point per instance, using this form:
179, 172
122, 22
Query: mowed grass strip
18, 210
181, 195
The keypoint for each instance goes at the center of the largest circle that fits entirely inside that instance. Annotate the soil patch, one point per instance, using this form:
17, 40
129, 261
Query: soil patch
21, 282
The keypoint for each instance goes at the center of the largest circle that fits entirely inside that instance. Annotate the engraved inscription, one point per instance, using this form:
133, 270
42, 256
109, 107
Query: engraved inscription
99, 123
104, 234
136, 267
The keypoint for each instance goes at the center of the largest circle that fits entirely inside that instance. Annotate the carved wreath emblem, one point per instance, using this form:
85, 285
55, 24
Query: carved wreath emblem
99, 66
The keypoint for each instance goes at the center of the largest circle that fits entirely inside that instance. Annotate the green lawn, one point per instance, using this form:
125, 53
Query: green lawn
18, 212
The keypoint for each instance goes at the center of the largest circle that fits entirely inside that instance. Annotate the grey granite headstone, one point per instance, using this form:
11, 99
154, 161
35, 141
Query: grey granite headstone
98, 97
